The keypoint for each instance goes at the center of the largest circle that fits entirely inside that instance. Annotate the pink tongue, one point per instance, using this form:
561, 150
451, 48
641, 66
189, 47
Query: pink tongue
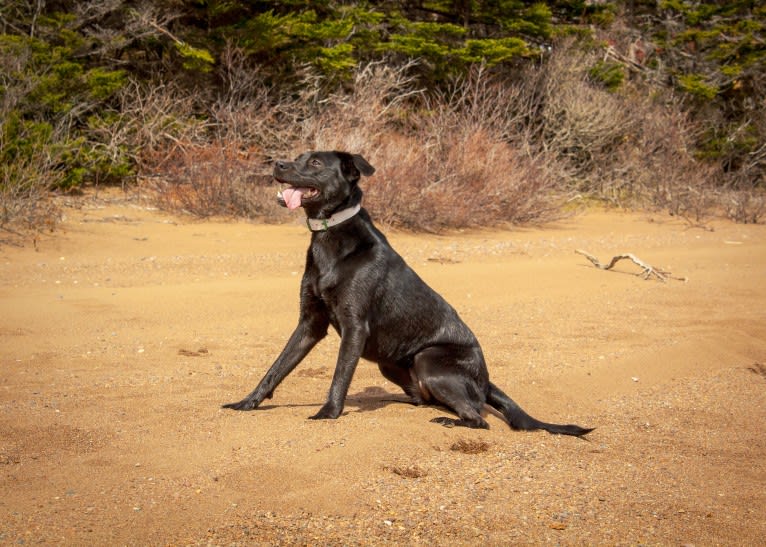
292, 197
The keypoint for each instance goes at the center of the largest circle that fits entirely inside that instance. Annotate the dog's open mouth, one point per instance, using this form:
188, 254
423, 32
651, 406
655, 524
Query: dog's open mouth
294, 195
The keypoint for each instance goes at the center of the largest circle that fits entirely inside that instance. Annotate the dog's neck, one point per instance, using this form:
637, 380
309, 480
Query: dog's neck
324, 224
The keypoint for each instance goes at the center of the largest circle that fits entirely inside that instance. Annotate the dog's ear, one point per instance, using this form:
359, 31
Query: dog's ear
360, 163
354, 166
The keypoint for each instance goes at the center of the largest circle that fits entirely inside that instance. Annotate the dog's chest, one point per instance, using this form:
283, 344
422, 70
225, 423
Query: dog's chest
335, 264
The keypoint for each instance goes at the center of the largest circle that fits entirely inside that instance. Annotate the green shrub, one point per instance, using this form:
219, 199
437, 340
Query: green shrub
49, 98
607, 73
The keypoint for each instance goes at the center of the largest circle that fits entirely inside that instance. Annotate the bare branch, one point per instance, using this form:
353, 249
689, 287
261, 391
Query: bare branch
647, 270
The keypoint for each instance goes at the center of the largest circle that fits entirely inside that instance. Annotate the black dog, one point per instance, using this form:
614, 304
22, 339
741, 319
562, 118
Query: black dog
382, 310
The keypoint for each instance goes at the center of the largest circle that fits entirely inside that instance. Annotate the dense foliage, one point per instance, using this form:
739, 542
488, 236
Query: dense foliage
715, 53
74, 75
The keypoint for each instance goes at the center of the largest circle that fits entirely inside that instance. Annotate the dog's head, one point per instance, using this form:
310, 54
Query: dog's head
321, 182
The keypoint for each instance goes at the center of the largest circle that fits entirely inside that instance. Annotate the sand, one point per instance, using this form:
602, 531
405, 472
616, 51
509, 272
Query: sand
124, 331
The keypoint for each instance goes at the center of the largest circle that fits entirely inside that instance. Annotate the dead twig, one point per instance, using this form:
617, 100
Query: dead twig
647, 270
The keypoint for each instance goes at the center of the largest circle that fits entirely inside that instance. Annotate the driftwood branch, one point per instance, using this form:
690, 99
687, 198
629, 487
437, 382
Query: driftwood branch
647, 270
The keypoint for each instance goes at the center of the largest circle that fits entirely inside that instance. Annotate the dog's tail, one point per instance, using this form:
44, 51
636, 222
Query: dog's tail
518, 419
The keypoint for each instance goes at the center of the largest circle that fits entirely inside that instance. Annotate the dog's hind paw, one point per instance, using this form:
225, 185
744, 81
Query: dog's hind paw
474, 423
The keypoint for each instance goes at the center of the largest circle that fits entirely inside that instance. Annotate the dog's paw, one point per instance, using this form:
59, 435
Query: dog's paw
244, 404
327, 412
444, 420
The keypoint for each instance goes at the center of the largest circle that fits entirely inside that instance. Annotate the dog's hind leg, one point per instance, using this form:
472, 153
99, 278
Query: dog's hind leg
442, 375
404, 377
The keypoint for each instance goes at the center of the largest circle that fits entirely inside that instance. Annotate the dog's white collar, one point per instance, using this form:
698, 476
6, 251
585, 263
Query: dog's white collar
324, 224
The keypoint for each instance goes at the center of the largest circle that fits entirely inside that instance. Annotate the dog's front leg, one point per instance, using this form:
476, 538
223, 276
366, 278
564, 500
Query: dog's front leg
303, 339
352, 344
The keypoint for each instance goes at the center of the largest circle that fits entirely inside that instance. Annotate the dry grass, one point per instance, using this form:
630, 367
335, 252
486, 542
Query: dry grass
488, 151
447, 165
214, 179
462, 180
744, 206
26, 204
628, 148
443, 162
